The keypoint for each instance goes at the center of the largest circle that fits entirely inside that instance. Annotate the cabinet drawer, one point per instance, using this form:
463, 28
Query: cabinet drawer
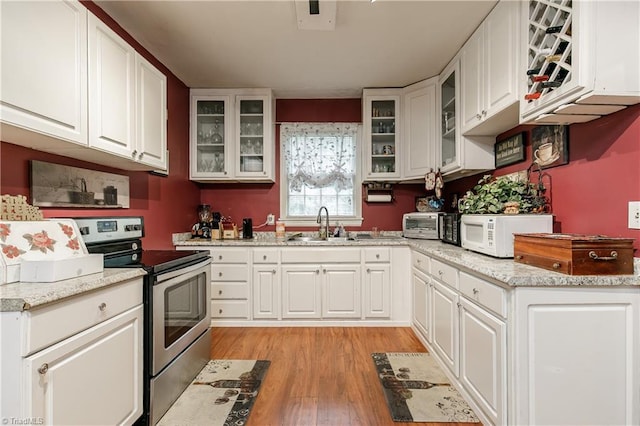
265, 255
421, 262
230, 255
486, 294
229, 272
321, 255
229, 309
377, 254
445, 273
56, 322
238, 290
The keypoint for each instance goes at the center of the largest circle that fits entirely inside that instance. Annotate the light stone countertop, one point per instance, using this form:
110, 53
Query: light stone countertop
504, 272
19, 296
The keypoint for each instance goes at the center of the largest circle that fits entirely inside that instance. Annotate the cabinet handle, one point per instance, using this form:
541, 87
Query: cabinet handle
594, 256
134, 153
459, 305
102, 306
219, 274
378, 256
484, 113
478, 116
440, 273
324, 271
368, 271
476, 291
264, 257
219, 311
317, 271
140, 156
43, 368
220, 257
519, 257
219, 292
556, 265
273, 272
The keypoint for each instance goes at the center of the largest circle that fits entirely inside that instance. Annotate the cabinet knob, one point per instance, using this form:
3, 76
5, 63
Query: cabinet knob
478, 116
378, 256
484, 113
324, 271
317, 271
273, 271
220, 257
219, 292
219, 274
225, 172
440, 273
134, 153
556, 265
264, 257
102, 306
519, 257
368, 271
418, 261
219, 311
476, 291
43, 368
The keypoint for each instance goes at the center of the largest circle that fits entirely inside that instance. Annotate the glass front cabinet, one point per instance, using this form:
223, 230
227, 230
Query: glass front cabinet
381, 134
449, 96
231, 135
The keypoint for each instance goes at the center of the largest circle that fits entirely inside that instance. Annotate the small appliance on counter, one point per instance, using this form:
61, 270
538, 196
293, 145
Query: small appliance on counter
421, 225
492, 234
247, 228
449, 228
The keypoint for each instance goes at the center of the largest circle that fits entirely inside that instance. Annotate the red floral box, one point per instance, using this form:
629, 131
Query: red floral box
38, 246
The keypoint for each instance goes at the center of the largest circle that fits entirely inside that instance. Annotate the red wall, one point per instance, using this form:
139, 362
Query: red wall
256, 201
168, 204
590, 194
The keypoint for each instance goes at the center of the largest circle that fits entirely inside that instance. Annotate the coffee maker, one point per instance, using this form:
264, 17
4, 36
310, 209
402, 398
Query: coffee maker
202, 229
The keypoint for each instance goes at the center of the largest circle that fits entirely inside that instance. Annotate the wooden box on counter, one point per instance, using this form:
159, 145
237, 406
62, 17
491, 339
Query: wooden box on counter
575, 254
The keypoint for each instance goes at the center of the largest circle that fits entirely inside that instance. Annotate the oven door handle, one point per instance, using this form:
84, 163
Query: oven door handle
181, 271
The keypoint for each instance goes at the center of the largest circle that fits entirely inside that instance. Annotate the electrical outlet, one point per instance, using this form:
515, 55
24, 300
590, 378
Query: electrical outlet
271, 219
634, 214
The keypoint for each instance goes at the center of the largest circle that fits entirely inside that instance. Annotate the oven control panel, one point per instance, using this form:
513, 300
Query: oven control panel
104, 229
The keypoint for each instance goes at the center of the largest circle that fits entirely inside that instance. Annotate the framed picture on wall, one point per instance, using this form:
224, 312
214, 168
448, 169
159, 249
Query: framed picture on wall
550, 145
511, 150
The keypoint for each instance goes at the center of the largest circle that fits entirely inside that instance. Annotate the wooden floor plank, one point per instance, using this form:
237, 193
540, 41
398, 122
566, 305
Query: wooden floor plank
319, 376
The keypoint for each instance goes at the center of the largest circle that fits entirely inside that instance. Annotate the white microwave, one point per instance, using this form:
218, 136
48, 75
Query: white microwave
493, 234
421, 225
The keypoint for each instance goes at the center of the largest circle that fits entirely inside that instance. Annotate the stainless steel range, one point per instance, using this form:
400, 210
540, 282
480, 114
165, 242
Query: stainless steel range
176, 311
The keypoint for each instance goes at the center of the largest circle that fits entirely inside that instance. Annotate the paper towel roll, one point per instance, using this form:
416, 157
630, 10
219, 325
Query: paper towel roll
379, 198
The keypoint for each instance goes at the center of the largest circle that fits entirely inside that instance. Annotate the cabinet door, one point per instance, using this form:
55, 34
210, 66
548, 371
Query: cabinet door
151, 97
377, 290
420, 130
68, 383
341, 291
111, 90
301, 291
253, 154
444, 304
44, 68
449, 89
421, 304
211, 137
483, 365
472, 84
381, 134
266, 291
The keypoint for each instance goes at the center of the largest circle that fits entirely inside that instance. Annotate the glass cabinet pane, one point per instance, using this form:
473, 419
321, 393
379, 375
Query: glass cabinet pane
383, 136
449, 120
251, 136
210, 141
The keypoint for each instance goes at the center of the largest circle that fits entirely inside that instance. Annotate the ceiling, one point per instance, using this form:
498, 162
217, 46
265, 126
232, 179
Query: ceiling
246, 44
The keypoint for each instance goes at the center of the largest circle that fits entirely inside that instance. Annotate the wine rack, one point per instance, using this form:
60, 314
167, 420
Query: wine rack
549, 52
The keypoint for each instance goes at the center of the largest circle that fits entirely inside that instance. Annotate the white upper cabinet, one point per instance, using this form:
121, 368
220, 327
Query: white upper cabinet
128, 101
382, 131
489, 71
582, 59
44, 71
231, 135
419, 135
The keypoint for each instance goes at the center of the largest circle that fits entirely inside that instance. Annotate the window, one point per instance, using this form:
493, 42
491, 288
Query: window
319, 167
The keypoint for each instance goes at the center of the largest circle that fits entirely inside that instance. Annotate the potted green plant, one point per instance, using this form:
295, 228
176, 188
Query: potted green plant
503, 195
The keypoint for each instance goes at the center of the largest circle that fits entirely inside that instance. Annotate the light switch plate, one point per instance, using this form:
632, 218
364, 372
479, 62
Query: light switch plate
634, 214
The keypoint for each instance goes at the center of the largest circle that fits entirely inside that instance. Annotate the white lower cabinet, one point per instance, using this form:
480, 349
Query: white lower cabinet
75, 362
483, 349
301, 291
376, 280
444, 305
341, 291
266, 284
230, 274
421, 302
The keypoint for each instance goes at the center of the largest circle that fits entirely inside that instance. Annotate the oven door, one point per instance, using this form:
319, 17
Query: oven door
181, 311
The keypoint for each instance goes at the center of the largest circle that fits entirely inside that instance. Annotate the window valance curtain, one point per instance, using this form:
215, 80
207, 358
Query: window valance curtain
319, 155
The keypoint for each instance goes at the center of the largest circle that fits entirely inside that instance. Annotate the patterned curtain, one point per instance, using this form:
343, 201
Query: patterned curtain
319, 155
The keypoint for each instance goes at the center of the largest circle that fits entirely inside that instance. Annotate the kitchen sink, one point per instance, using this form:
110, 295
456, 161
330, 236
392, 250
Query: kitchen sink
308, 239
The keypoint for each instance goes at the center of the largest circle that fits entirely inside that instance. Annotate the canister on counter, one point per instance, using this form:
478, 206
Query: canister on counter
280, 229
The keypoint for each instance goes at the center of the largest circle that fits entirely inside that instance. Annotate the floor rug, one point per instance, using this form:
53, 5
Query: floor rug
417, 390
221, 394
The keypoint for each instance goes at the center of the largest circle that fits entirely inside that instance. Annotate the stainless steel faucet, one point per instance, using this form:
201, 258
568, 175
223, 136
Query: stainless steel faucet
319, 221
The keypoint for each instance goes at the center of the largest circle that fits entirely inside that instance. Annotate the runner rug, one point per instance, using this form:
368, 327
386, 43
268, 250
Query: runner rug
417, 390
222, 394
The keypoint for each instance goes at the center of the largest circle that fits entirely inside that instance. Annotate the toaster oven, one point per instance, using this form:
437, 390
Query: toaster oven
423, 225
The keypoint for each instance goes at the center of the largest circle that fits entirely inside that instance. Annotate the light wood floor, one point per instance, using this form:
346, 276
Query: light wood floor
318, 375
